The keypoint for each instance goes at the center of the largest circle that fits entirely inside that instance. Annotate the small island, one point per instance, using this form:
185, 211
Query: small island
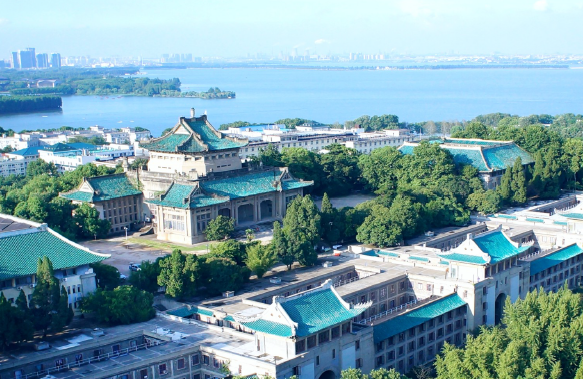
212, 93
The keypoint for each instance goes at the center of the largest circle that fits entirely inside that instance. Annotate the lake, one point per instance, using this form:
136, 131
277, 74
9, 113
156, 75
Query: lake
265, 95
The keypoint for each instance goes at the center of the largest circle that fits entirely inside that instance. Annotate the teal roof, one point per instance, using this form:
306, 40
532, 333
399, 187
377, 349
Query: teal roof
269, 327
506, 216
214, 140
471, 157
20, 253
388, 254
441, 262
535, 220
477, 142
105, 188
416, 317
578, 216
422, 259
229, 318
497, 246
251, 184
486, 156
554, 259
464, 258
317, 310
181, 196
29, 151
185, 312
564, 223
200, 136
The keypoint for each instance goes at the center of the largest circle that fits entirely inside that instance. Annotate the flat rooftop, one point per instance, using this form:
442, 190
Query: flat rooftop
10, 224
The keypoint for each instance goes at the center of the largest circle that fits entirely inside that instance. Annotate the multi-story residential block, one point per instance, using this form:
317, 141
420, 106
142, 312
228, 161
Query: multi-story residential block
12, 166
23, 243
114, 196
68, 157
491, 158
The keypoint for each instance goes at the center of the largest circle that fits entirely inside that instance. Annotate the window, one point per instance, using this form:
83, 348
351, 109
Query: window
195, 360
174, 222
323, 337
180, 364
431, 336
346, 328
317, 360
206, 360
379, 361
300, 346
311, 341
297, 370
379, 346
358, 363
357, 345
333, 353
335, 332
163, 369
391, 355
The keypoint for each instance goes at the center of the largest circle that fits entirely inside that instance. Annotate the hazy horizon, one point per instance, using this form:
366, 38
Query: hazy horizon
230, 28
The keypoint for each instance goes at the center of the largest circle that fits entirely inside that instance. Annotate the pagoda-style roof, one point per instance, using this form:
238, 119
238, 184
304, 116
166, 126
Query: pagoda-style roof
193, 135
102, 188
486, 156
416, 317
487, 248
209, 192
554, 258
20, 251
305, 313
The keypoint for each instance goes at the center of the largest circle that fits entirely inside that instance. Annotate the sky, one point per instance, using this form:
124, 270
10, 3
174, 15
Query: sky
234, 28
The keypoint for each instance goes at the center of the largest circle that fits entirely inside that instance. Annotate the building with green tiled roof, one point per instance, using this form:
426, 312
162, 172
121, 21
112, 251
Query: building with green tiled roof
491, 158
185, 208
26, 242
195, 148
114, 196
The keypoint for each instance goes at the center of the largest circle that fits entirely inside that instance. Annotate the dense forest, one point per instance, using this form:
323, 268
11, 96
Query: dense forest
16, 104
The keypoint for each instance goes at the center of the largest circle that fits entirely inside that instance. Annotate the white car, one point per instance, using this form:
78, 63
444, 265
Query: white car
122, 276
336, 247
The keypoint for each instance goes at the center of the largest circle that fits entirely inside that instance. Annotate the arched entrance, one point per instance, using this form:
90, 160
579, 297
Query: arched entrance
266, 209
328, 375
245, 213
499, 310
225, 212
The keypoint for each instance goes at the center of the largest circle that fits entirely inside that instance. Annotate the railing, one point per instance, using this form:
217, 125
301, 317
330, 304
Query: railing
347, 281
536, 253
81, 362
567, 208
392, 310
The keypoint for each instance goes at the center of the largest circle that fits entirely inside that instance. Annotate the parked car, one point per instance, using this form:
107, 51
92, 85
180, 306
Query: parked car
134, 267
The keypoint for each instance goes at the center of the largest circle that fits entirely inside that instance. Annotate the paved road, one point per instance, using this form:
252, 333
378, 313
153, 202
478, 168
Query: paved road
121, 255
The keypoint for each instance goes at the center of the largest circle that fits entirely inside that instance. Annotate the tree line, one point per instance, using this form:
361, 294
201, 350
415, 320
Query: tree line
35, 196
211, 93
16, 104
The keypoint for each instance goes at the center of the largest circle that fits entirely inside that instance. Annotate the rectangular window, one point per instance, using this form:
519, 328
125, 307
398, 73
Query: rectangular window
311, 341
300, 346
206, 360
323, 337
163, 369
195, 360
180, 364
335, 332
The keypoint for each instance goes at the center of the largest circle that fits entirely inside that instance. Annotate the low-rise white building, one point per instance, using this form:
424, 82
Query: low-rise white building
68, 157
12, 166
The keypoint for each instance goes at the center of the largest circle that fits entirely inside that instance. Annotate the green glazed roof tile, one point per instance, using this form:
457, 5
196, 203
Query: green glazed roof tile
422, 259
535, 219
554, 259
416, 317
501, 157
269, 327
464, 258
208, 136
497, 246
251, 184
185, 312
465, 141
105, 187
564, 223
506, 216
388, 254
318, 310
578, 216
470, 156
20, 253
179, 196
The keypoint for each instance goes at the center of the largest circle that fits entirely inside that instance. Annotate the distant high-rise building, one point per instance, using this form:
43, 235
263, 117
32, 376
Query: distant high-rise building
32, 52
42, 60
186, 57
26, 59
15, 61
55, 60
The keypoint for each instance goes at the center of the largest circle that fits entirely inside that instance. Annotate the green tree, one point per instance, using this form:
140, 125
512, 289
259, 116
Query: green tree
124, 305
249, 234
270, 156
231, 249
223, 274
340, 169
180, 274
219, 228
378, 229
88, 223
49, 303
8, 329
260, 258
280, 246
380, 169
40, 167
505, 187
147, 277
107, 276
518, 183
304, 164
301, 227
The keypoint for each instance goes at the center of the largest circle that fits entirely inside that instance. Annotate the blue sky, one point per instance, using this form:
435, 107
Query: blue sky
234, 28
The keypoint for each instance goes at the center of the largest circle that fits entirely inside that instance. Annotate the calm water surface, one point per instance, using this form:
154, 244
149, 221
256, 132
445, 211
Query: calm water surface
265, 95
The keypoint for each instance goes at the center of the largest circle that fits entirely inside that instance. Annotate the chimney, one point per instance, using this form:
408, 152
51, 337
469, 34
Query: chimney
191, 112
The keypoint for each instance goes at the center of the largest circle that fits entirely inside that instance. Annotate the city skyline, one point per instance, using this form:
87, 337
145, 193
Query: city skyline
230, 29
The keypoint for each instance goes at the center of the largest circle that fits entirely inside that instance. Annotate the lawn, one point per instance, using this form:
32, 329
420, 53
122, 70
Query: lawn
169, 246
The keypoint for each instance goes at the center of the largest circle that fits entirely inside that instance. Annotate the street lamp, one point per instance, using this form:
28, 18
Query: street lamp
126, 229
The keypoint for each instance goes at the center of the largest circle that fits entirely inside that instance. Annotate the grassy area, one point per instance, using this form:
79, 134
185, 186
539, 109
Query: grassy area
155, 244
